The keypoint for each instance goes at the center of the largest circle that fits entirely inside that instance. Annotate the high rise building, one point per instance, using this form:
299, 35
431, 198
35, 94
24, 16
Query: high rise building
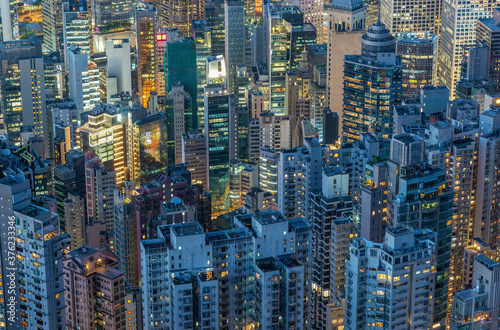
400, 17
377, 70
391, 274
104, 134
329, 208
76, 30
118, 67
203, 39
480, 306
346, 22
23, 91
74, 214
488, 33
195, 154
243, 176
234, 16
106, 12
147, 148
434, 200
100, 184
418, 60
177, 103
220, 109
181, 65
215, 17
91, 272
83, 80
313, 13
458, 30
125, 222
487, 218
40, 290
178, 14
146, 26
52, 18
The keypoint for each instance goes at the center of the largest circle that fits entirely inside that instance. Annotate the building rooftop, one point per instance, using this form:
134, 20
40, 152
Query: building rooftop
187, 229
490, 264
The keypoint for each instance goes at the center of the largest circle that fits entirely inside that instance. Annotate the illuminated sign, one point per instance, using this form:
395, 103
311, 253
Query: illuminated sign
160, 37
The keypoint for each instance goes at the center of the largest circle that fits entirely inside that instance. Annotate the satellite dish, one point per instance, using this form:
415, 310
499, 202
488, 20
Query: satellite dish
19, 177
176, 200
6, 152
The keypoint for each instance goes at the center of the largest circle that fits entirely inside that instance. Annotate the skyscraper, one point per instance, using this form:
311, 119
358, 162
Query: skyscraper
23, 90
83, 80
234, 15
220, 109
147, 148
401, 17
345, 26
386, 277
180, 66
488, 33
118, 67
52, 17
372, 85
418, 60
146, 26
458, 29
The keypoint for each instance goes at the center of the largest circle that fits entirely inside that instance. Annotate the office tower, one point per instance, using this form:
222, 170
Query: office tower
215, 17
126, 232
243, 176
418, 60
53, 74
395, 272
177, 103
147, 148
74, 214
106, 12
344, 38
379, 70
83, 80
23, 91
286, 37
219, 112
486, 219
258, 199
178, 14
52, 18
118, 67
90, 272
328, 209
180, 65
418, 17
203, 39
330, 127
277, 40
75, 31
240, 133
434, 199
488, 33
104, 134
69, 178
234, 21
39, 241
433, 99
195, 154
480, 306
146, 26
458, 30
100, 184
